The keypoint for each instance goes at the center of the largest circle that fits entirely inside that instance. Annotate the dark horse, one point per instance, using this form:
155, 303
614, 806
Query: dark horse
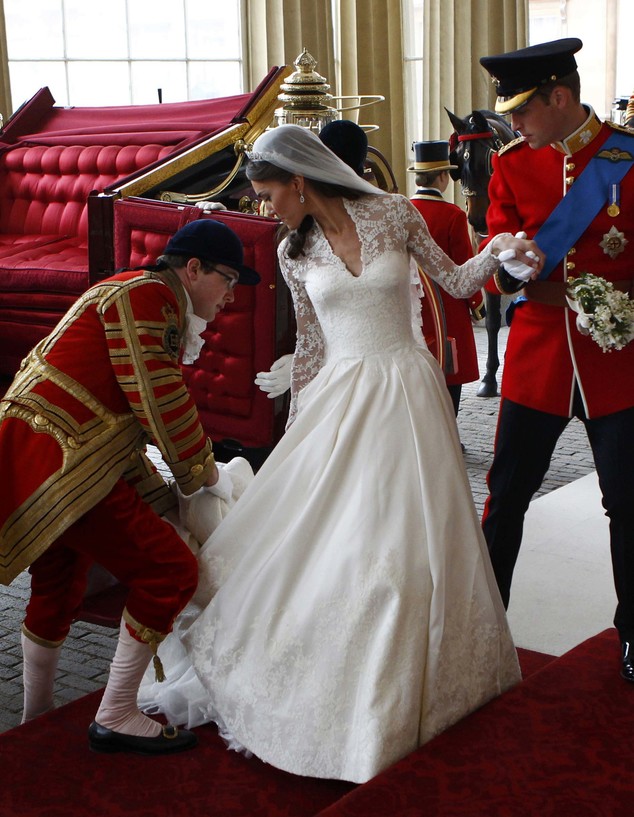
472, 145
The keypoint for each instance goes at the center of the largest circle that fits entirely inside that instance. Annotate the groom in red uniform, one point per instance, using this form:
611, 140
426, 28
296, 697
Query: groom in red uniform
78, 486
568, 183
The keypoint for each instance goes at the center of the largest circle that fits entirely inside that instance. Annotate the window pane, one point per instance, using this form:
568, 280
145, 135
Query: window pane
213, 79
148, 77
156, 27
545, 21
28, 77
95, 30
30, 35
413, 31
121, 51
93, 84
625, 61
213, 29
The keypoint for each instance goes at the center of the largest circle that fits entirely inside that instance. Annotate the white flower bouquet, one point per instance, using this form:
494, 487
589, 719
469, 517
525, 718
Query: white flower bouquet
604, 313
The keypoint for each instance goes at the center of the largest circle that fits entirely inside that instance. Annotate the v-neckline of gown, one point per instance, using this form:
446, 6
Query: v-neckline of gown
350, 211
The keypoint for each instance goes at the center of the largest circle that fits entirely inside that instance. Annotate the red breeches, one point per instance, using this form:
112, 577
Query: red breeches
123, 534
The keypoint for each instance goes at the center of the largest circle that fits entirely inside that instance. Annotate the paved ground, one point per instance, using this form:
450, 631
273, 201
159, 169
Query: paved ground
88, 649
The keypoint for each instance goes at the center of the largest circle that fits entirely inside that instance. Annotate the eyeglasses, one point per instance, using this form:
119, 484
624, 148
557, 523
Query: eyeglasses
231, 280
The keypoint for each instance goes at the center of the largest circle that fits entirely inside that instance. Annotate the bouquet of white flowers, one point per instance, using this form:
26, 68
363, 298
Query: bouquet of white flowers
604, 313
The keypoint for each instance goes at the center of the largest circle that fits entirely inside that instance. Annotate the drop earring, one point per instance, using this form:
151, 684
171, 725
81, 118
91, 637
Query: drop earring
301, 198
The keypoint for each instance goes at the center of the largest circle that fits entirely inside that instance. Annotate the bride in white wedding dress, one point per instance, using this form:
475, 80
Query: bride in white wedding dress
347, 611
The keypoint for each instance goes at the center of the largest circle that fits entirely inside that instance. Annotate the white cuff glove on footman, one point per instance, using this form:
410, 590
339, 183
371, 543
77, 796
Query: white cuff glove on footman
201, 513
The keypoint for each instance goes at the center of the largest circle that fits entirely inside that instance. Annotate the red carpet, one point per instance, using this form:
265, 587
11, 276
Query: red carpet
48, 771
559, 744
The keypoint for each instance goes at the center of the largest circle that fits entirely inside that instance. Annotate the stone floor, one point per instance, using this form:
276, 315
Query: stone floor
89, 648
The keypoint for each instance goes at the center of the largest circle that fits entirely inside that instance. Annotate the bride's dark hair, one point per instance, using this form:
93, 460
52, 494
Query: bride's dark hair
260, 171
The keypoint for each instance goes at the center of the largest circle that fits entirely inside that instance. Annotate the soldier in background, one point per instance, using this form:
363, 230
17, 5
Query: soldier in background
448, 226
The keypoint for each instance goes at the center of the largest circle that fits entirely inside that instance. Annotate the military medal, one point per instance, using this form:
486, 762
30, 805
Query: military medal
613, 206
613, 242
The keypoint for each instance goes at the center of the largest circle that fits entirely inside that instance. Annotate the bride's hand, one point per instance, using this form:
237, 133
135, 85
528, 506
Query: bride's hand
520, 257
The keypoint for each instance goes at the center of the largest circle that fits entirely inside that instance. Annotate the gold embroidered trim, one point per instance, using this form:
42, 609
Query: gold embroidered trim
510, 145
43, 642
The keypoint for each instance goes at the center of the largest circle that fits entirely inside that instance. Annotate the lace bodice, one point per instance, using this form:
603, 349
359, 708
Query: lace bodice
340, 315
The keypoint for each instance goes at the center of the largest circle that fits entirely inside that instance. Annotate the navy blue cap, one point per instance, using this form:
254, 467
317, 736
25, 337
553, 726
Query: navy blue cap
518, 75
348, 141
213, 242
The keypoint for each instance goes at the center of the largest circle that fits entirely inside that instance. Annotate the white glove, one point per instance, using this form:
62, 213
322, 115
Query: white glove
278, 380
200, 513
517, 269
223, 488
207, 206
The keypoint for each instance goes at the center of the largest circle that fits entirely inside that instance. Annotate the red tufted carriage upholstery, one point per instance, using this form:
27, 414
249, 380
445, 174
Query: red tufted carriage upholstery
44, 265
51, 160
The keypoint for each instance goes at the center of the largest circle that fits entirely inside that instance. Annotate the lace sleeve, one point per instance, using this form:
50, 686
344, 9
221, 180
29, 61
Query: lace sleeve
459, 280
416, 295
309, 348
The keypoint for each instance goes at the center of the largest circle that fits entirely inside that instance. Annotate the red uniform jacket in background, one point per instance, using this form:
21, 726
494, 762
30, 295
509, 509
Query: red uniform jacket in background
447, 224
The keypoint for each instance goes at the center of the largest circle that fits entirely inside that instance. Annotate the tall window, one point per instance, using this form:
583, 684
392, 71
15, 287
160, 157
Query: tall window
122, 52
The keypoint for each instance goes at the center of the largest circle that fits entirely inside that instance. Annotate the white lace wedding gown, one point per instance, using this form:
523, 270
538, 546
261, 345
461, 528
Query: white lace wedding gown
347, 611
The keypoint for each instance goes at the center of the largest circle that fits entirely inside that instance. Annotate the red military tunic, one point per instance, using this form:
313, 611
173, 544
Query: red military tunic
447, 224
83, 406
545, 352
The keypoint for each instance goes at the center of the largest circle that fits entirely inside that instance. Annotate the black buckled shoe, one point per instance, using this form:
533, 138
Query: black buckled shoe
627, 663
170, 740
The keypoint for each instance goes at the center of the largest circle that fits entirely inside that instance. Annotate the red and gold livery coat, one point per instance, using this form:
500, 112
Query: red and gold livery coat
84, 405
447, 224
545, 352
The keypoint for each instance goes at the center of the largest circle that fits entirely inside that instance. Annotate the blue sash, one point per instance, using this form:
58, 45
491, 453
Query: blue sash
574, 213
576, 210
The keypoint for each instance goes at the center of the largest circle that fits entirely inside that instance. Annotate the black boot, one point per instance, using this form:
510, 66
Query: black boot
627, 663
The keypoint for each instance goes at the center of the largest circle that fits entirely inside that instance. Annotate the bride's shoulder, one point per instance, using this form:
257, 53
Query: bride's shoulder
380, 203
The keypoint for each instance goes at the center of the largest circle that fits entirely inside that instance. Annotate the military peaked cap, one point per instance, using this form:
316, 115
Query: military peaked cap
518, 75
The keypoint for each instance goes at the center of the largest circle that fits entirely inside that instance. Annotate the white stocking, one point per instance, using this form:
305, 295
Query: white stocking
38, 673
119, 710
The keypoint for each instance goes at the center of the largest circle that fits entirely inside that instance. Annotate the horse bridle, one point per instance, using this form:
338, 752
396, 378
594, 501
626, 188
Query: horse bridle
456, 138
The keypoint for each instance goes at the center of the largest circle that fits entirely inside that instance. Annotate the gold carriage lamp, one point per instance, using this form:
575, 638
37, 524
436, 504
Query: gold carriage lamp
305, 98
